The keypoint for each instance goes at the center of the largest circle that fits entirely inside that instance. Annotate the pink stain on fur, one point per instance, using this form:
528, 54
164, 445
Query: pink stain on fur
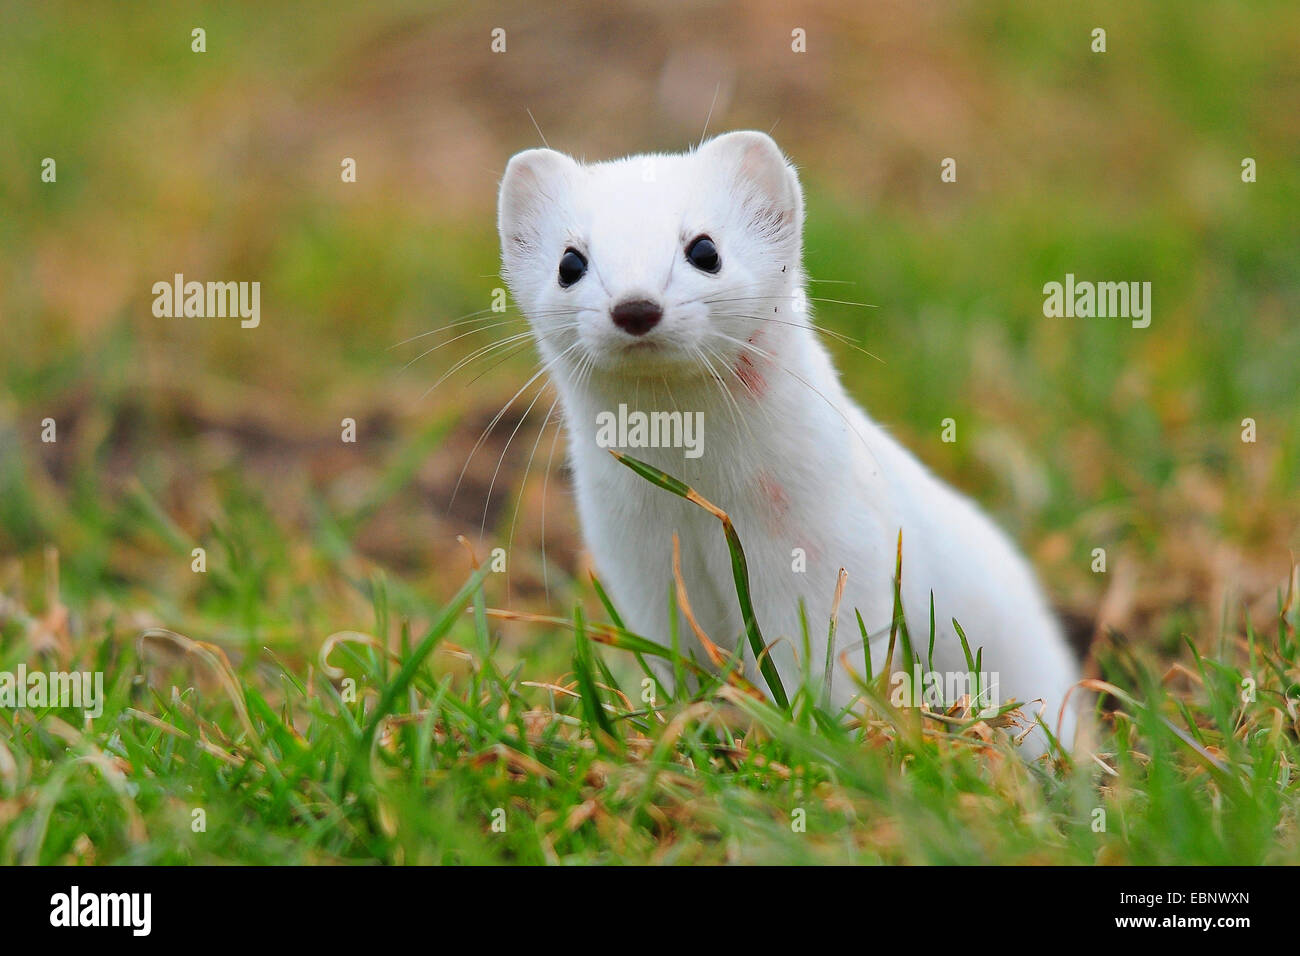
773, 494
748, 372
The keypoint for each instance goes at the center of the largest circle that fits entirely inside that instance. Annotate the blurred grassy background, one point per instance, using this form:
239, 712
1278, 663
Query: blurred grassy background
1079, 433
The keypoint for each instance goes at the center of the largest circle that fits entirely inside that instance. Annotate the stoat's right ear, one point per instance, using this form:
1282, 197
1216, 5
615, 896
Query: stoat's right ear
533, 182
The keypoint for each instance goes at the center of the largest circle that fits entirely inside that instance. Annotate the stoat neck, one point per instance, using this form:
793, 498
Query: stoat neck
758, 407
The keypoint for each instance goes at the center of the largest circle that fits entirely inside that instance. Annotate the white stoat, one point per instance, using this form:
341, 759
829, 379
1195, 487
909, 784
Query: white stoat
674, 283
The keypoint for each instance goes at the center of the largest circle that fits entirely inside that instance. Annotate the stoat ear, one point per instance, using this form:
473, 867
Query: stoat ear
767, 183
533, 181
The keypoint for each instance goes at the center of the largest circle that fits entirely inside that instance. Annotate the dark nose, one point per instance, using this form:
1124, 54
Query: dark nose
636, 317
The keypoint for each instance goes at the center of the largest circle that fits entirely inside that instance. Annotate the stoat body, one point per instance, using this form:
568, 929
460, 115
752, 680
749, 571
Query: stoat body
674, 283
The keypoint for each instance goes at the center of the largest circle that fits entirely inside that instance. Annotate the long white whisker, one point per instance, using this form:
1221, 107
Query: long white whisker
482, 315
501, 361
763, 409
476, 354
791, 298
729, 400
546, 480
457, 338
546, 366
483, 352
839, 337
487, 501
799, 378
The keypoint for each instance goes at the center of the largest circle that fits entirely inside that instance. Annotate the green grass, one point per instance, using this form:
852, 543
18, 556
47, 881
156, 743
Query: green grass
446, 750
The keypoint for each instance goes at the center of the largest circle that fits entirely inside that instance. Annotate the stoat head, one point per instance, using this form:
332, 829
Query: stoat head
643, 265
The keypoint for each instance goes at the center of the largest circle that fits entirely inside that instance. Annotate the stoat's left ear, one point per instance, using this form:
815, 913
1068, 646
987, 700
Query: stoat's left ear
767, 182
534, 181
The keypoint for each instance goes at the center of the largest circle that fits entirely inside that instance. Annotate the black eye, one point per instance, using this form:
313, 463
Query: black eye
573, 266
703, 254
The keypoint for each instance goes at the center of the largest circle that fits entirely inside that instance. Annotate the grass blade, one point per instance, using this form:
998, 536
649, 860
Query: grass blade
739, 568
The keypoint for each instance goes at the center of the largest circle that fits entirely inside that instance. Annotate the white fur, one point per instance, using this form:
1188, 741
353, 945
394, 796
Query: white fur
787, 452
